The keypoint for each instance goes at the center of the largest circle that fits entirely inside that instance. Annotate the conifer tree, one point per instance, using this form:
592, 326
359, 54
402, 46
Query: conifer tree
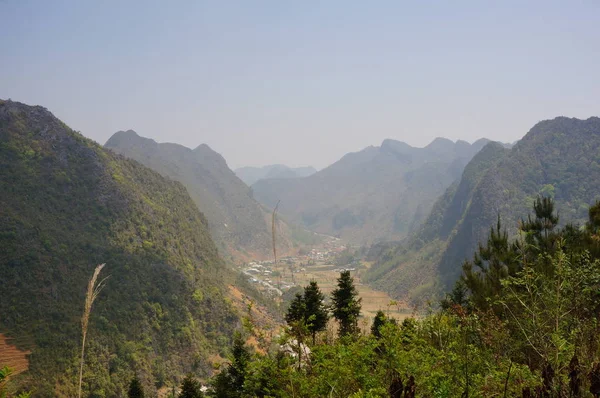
135, 389
379, 321
346, 304
230, 382
316, 314
190, 388
296, 310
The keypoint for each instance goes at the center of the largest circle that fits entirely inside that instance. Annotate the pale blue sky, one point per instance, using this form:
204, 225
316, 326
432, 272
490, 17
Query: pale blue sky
302, 82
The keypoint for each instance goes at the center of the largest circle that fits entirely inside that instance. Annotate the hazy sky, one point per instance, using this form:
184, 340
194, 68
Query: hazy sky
302, 82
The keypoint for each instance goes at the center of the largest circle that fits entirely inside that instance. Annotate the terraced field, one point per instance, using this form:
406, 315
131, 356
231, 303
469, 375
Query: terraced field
12, 357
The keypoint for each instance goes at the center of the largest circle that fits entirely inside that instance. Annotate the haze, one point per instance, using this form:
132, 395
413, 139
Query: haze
302, 83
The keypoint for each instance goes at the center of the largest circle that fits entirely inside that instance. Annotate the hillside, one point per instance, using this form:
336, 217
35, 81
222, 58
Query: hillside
67, 205
558, 158
252, 174
380, 193
239, 225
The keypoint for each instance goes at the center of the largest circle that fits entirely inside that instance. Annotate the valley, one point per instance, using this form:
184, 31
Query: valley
318, 264
299, 199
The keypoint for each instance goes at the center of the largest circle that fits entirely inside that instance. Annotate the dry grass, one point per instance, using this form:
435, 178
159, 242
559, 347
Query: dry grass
12, 357
93, 291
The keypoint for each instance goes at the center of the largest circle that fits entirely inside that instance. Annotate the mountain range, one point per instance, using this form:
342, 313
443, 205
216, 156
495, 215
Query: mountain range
252, 174
378, 194
240, 226
559, 158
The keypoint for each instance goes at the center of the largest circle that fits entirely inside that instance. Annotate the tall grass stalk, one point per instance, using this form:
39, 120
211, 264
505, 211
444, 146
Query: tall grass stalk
273, 225
92, 292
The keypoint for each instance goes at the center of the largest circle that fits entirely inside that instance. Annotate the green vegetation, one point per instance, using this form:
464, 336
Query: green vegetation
307, 314
229, 383
190, 388
135, 389
236, 221
521, 322
346, 305
67, 205
558, 158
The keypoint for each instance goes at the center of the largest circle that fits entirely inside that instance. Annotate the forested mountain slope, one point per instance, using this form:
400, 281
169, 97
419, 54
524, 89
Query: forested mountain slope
66, 205
239, 225
252, 174
380, 193
558, 158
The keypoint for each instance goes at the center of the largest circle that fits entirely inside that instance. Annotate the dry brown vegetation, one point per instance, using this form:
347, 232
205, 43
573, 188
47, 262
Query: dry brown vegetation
12, 357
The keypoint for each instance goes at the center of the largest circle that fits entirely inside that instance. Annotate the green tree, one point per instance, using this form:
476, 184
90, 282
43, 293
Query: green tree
540, 229
135, 389
346, 304
230, 382
316, 314
296, 310
379, 321
190, 388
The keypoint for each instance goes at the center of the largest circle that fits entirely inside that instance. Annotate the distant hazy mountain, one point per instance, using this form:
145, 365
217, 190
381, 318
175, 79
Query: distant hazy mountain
559, 158
237, 222
252, 174
66, 205
379, 193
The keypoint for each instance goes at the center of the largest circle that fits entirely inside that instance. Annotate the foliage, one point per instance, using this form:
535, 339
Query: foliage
236, 221
229, 383
135, 389
66, 205
190, 388
523, 323
557, 158
346, 304
307, 313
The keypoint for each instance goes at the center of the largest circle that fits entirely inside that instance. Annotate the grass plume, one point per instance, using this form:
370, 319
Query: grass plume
273, 225
92, 292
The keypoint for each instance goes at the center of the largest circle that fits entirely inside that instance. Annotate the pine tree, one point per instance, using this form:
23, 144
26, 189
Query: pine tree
296, 310
379, 321
492, 262
190, 388
230, 382
316, 314
540, 230
346, 304
135, 389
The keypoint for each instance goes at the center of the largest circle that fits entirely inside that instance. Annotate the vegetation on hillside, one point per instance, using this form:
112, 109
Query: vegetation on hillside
558, 158
521, 322
237, 222
68, 205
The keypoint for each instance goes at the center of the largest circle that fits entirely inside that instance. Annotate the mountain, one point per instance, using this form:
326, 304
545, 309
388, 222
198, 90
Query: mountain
67, 205
558, 158
252, 174
380, 193
239, 225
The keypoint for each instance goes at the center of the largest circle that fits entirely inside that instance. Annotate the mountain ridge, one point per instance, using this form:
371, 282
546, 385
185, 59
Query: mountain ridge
358, 197
251, 174
558, 158
238, 224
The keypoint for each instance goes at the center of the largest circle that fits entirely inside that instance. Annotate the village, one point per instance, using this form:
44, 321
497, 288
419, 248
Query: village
323, 264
